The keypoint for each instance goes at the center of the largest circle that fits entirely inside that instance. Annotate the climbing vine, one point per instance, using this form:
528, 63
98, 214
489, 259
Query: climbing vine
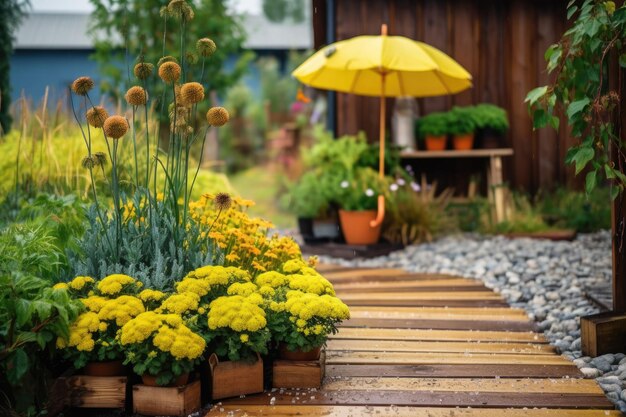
580, 63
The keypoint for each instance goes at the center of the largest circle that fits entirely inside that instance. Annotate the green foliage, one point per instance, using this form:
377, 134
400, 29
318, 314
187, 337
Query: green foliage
32, 314
278, 89
523, 217
461, 120
280, 10
360, 189
576, 210
490, 116
433, 124
136, 31
11, 14
580, 65
304, 197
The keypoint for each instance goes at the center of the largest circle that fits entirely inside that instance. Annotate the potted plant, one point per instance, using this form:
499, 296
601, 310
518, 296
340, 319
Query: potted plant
491, 123
357, 196
308, 203
433, 129
92, 344
462, 126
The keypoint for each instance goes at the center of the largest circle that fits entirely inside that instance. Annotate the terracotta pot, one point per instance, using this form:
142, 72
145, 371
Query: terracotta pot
151, 380
463, 142
435, 143
298, 355
356, 227
108, 368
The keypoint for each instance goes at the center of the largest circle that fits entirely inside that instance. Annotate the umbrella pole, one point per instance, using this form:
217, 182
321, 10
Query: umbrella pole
380, 215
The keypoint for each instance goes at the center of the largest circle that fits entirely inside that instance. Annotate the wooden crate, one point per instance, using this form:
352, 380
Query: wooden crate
166, 401
97, 391
232, 379
602, 333
298, 374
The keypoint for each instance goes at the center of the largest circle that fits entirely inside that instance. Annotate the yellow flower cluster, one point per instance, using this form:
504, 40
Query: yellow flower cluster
94, 303
60, 286
314, 284
239, 313
168, 333
180, 303
114, 284
271, 279
81, 333
121, 309
305, 306
244, 240
219, 275
79, 282
151, 295
244, 289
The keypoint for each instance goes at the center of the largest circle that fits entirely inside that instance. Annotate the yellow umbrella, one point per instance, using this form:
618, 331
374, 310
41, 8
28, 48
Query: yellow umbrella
383, 66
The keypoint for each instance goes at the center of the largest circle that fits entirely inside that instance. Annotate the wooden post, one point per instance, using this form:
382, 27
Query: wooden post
606, 332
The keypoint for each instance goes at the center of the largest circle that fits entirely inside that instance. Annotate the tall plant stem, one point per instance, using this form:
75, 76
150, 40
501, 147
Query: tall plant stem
135, 149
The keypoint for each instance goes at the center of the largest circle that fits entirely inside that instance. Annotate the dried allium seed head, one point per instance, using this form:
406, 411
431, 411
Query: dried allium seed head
222, 201
115, 127
96, 116
217, 116
88, 162
164, 12
166, 58
206, 47
169, 72
177, 96
100, 158
192, 58
176, 6
136, 96
187, 13
82, 85
191, 93
143, 70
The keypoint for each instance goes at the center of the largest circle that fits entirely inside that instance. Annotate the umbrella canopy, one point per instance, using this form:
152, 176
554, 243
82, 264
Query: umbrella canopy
369, 65
383, 66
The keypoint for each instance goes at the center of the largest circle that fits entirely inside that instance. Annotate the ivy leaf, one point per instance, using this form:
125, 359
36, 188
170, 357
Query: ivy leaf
609, 172
576, 107
614, 192
540, 118
535, 94
571, 11
555, 122
590, 181
582, 158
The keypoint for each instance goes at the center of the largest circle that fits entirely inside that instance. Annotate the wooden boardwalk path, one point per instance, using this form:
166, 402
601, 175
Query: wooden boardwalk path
424, 345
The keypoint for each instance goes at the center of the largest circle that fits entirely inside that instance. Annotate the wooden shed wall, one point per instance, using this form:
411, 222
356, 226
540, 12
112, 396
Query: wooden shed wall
501, 43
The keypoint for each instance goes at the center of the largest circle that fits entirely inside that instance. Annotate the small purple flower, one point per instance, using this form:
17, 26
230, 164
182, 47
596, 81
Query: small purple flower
400, 181
416, 187
369, 192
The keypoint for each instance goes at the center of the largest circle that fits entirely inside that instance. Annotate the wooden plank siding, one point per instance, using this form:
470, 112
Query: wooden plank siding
500, 43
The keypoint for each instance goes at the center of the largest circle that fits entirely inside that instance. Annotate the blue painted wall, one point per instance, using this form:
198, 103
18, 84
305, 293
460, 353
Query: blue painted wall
34, 69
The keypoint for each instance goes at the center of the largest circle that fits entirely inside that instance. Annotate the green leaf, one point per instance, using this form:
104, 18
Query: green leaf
622, 60
17, 367
591, 181
609, 172
540, 118
555, 122
614, 192
535, 94
22, 311
582, 158
576, 107
571, 11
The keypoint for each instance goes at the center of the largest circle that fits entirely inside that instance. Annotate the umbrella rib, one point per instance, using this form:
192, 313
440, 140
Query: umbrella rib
358, 74
401, 84
442, 82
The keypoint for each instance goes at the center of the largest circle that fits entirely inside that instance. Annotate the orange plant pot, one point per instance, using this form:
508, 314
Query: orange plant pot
463, 142
435, 143
356, 227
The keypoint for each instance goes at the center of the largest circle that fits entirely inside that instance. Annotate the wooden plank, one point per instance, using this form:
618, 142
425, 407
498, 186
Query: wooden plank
439, 324
297, 374
357, 278
484, 313
427, 303
416, 286
393, 411
98, 391
466, 45
420, 346
495, 314
440, 358
438, 335
454, 371
430, 296
378, 272
427, 399
473, 153
503, 385
174, 401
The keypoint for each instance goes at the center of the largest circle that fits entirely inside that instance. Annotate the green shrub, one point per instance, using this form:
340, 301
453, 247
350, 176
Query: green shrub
490, 116
575, 210
433, 124
461, 120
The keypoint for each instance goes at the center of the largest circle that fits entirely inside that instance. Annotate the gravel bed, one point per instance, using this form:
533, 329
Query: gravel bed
544, 278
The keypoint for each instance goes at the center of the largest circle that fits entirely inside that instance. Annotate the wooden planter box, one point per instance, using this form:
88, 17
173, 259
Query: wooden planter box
298, 374
602, 333
166, 401
232, 379
97, 391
